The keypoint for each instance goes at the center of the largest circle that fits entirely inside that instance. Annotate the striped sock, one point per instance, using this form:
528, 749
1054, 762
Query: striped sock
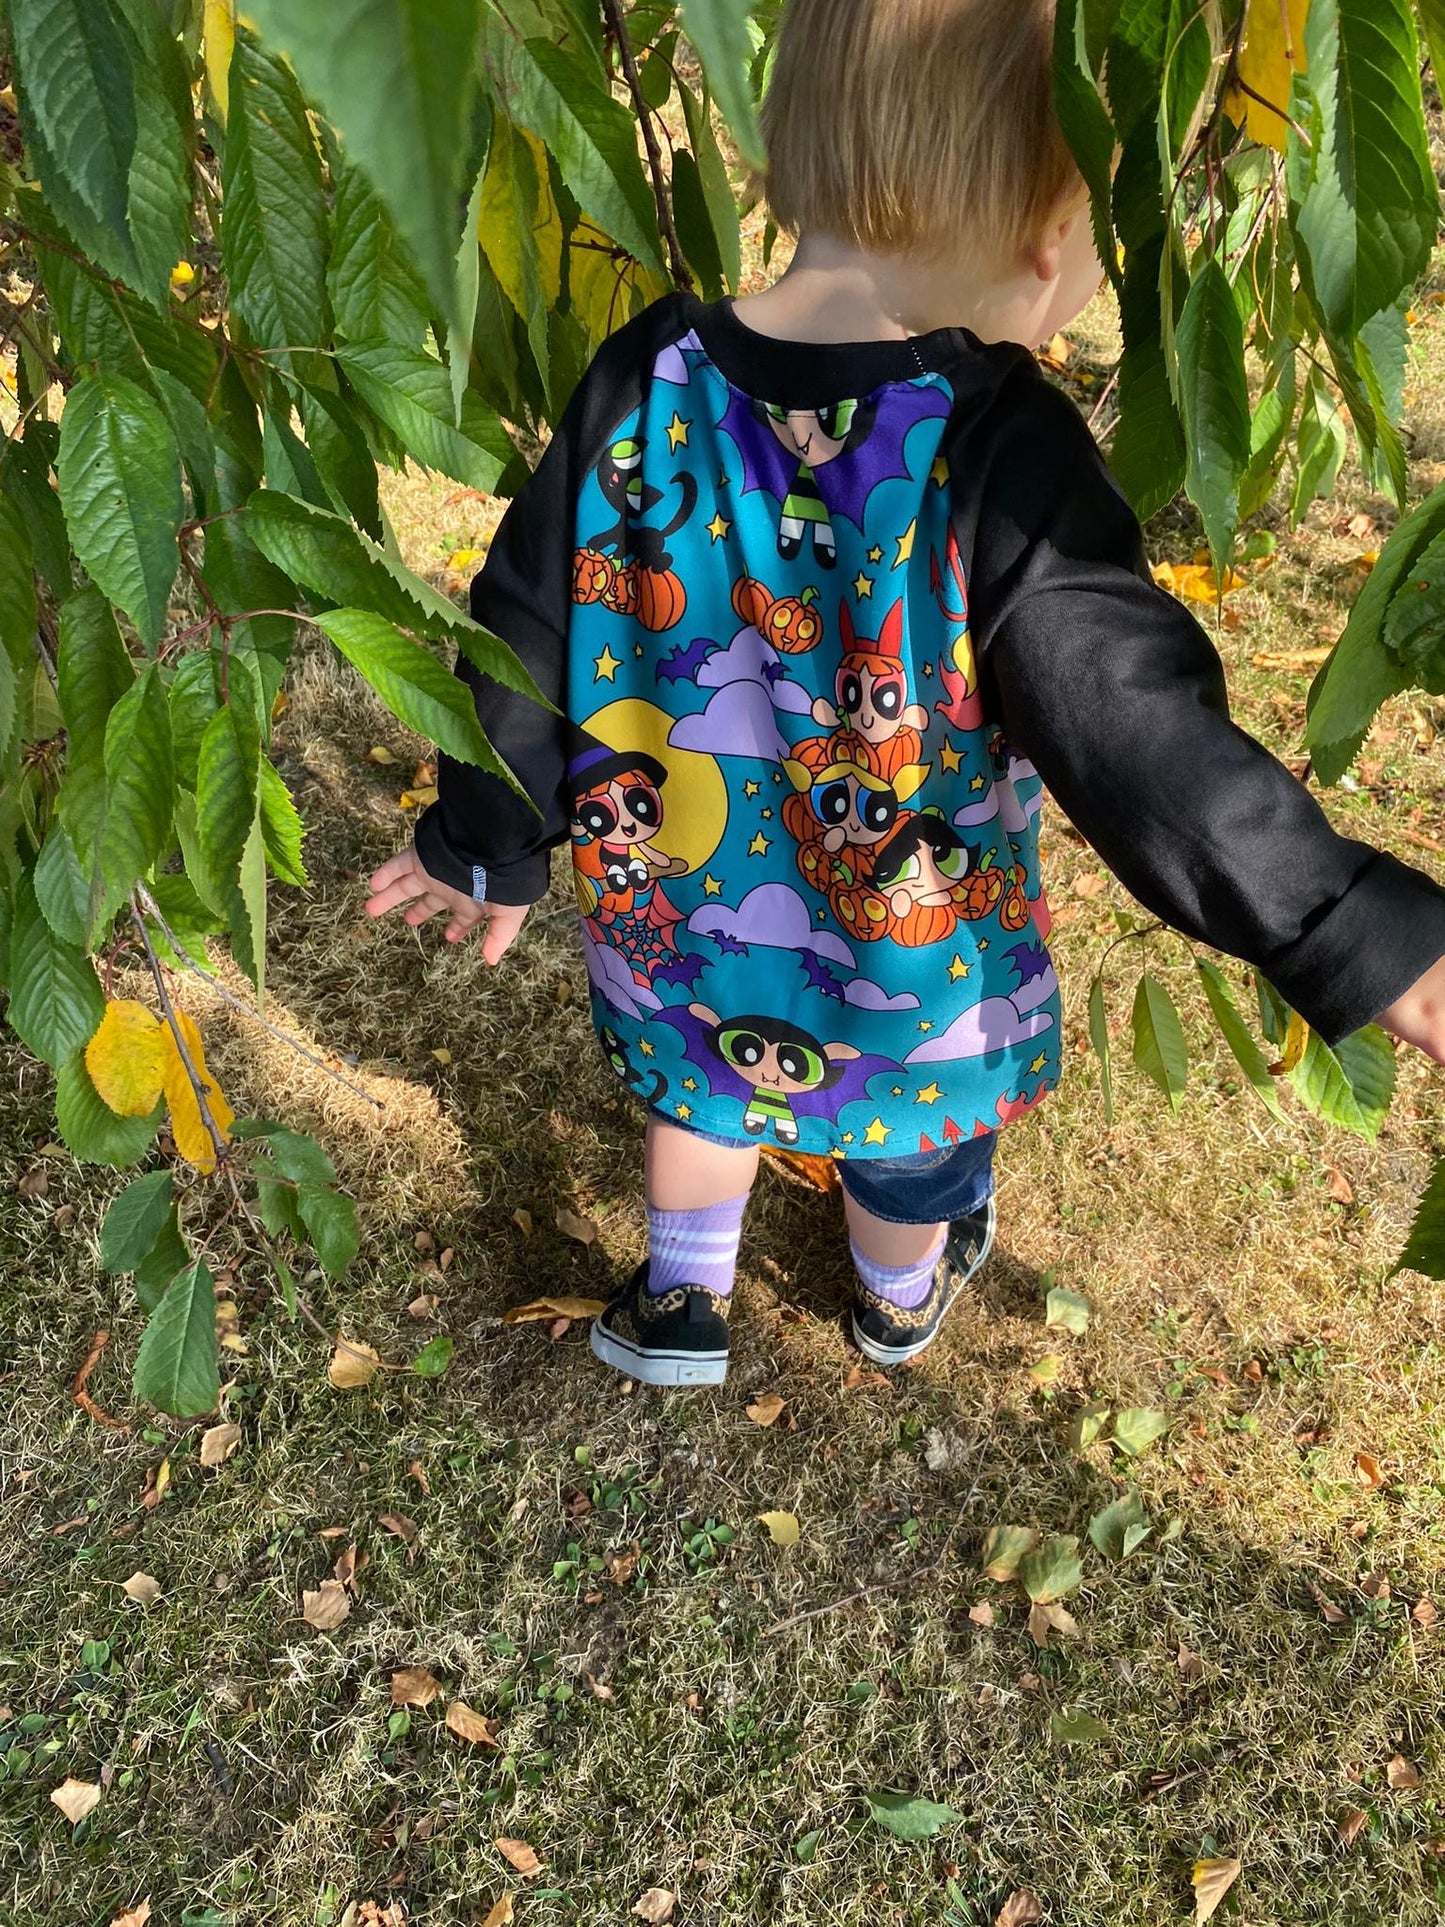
901, 1285
695, 1247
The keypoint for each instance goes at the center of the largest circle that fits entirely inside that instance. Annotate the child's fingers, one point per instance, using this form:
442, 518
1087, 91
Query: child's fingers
502, 926
428, 906
403, 864
389, 895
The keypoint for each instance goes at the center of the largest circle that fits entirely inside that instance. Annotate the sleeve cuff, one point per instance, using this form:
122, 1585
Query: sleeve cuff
1380, 937
513, 884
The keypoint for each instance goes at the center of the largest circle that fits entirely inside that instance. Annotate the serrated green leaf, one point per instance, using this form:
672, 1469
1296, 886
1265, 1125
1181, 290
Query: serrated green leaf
1246, 1053
1075, 1727
90, 1128
398, 82
55, 996
1148, 453
296, 1155
411, 393
1414, 628
1137, 1427
907, 1817
139, 783
434, 1357
157, 1269
1321, 444
1052, 1571
75, 80
120, 486
158, 182
17, 608
1068, 1311
376, 292
228, 823
135, 1220
1350, 1084
1084, 120
717, 188
1109, 1529
282, 830
1159, 1047
343, 460
61, 888
273, 209
330, 1220
175, 1368
1425, 1249
721, 32
694, 224
1103, 1050
1214, 401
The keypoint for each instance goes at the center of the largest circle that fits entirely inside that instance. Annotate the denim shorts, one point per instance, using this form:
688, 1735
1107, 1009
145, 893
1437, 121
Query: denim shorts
930, 1187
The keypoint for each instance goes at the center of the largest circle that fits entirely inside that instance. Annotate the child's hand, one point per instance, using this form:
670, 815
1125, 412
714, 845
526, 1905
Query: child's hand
401, 879
1419, 1016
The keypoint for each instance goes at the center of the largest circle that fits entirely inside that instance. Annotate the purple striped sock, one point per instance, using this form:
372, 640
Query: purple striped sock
695, 1247
901, 1285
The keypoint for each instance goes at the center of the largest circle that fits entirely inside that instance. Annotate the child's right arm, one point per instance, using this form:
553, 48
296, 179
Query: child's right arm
1114, 692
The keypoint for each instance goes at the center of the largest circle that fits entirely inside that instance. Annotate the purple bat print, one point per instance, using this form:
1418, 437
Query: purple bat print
682, 663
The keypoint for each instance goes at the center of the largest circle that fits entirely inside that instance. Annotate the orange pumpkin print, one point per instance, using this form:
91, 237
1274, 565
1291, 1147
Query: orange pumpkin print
592, 575
620, 594
661, 599
751, 601
792, 626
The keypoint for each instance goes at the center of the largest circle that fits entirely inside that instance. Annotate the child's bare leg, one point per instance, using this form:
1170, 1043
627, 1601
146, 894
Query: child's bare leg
687, 1173
892, 1245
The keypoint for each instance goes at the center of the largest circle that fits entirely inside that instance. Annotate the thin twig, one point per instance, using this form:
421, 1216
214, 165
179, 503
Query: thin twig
198, 1083
152, 910
681, 274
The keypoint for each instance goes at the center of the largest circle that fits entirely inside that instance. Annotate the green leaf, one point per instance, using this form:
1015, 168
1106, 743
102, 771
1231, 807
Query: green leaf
297, 1156
511, 213
228, 832
156, 1271
1247, 1054
1088, 1425
1148, 453
55, 997
282, 830
398, 82
412, 394
1214, 400
90, 1128
330, 1219
1051, 1571
1085, 121
1159, 1047
159, 179
120, 485
717, 188
140, 782
1414, 629
413, 685
376, 292
1137, 1427
468, 287
1003, 1548
909, 1818
17, 606
1110, 1530
343, 460
25, 475
720, 30
175, 1368
1364, 203
1068, 1311
273, 208
1351, 1084
590, 136
1103, 1050
434, 1357
1425, 1250
61, 888
135, 1220
1267, 431
1321, 445
1076, 1727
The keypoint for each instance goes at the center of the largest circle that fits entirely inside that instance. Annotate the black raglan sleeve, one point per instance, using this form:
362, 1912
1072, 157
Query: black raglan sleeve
1116, 695
479, 836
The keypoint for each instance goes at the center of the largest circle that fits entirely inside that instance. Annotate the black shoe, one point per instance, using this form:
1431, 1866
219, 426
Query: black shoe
679, 1337
887, 1333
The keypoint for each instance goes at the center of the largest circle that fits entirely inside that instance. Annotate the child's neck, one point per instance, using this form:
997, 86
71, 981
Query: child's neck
832, 292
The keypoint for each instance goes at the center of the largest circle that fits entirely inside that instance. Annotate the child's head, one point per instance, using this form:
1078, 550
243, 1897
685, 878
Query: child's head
926, 129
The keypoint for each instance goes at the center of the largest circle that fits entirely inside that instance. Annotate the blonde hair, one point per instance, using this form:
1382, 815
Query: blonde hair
906, 126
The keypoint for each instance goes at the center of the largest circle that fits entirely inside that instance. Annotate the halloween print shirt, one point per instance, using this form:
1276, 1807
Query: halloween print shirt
820, 622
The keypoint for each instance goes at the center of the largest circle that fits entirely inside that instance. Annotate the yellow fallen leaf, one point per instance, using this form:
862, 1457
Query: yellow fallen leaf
442, 1055
136, 1916
767, 1409
470, 1726
218, 1442
125, 1058
783, 1528
1290, 658
380, 755
77, 1799
327, 1606
583, 1230
656, 1906
1273, 50
218, 33
142, 1589
523, 1221
418, 799
193, 1140
502, 1915
1402, 1774
520, 1855
352, 1364
465, 558
414, 1686
550, 1308
1212, 1881
1196, 581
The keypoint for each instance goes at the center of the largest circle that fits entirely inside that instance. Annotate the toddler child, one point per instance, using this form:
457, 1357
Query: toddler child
827, 583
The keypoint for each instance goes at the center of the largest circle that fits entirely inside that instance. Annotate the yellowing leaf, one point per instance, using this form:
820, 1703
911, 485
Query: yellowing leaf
783, 1528
418, 799
1212, 1881
1296, 659
218, 31
548, 233
77, 1799
352, 1364
193, 1140
442, 1055
218, 1443
470, 1726
182, 275
380, 755
1273, 50
414, 1686
125, 1058
520, 1855
767, 1409
547, 1309
502, 1915
1196, 581
1004, 1547
1296, 1039
463, 559
327, 1606
142, 1589
656, 1906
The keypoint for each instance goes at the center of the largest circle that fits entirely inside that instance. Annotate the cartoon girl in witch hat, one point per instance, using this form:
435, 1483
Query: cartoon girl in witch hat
876, 725
616, 812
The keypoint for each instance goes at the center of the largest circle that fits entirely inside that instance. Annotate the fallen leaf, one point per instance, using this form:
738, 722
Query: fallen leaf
218, 1442
136, 1916
1196, 581
1368, 1468
443, 1056
1376, 1586
1190, 1665
520, 1855
414, 1686
380, 755
1330, 1613
1052, 1570
656, 1906
1425, 1614
945, 1451
1057, 354
523, 1221
767, 1409
1003, 1548
1137, 1427
909, 1818
35, 1184
981, 1614
465, 558
1048, 1616
583, 1230
404, 1528
418, 799
1078, 1728
158, 1479
1069, 1310
1340, 1188
550, 1308
425, 1243
501, 1915
1046, 1371
1402, 1774
1212, 1881
76, 1799
471, 1727
1353, 1822
1293, 659
783, 1528
142, 1589
1021, 1909
422, 1307
327, 1606
1088, 883
333, 1532
417, 1471
352, 1364
598, 1690
344, 1571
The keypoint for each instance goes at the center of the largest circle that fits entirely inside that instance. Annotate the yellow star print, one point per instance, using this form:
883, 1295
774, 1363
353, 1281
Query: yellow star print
711, 885
939, 472
646, 1048
905, 544
877, 1132
875, 554
1039, 1062
718, 527
606, 665
752, 789
930, 1094
848, 1137
976, 783
759, 845
637, 649
689, 1083
958, 969
684, 1111
927, 1024
951, 759
677, 432
863, 586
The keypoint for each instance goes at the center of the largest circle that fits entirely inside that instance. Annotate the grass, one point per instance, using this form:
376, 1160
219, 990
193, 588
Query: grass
256, 1772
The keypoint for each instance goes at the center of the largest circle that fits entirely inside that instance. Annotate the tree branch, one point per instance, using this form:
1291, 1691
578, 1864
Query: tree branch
617, 26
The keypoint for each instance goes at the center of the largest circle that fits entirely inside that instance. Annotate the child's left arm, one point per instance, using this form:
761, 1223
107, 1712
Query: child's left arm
1419, 1016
